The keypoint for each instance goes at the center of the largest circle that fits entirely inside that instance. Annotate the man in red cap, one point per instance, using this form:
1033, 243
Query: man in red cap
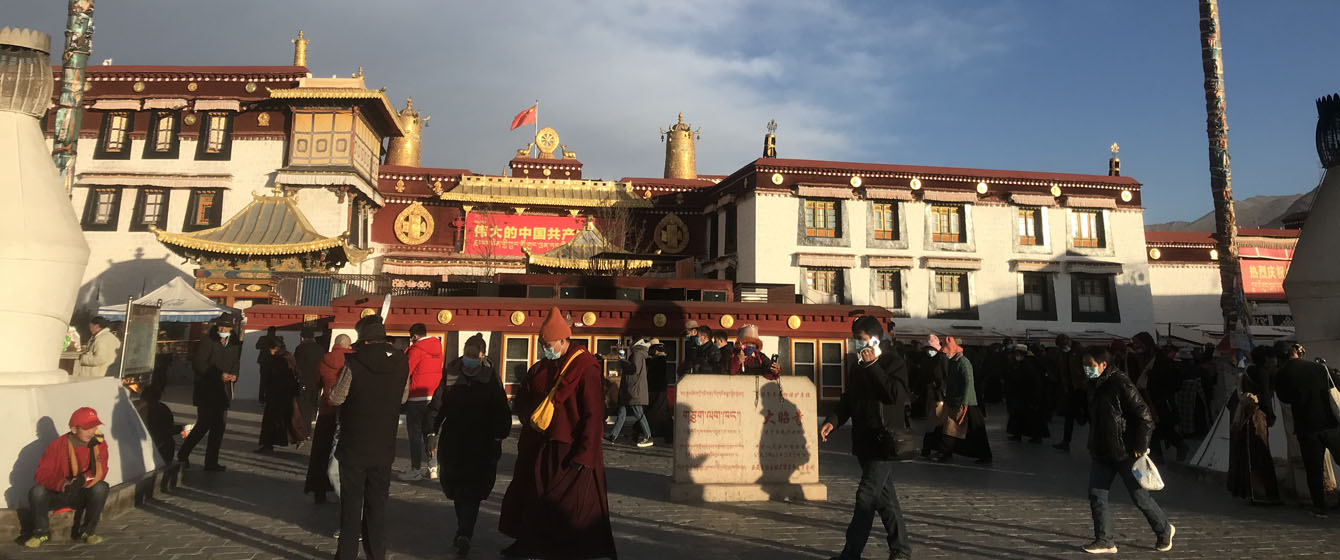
556, 505
70, 475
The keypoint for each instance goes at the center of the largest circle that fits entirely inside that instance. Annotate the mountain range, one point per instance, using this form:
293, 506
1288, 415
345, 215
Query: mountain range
1254, 212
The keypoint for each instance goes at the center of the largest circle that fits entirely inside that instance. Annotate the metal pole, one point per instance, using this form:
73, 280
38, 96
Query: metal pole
1232, 302
69, 112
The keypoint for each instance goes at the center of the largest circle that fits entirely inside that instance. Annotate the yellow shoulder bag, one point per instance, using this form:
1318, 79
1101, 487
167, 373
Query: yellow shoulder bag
544, 412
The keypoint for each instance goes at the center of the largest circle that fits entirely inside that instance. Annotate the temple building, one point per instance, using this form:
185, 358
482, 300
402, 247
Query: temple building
173, 151
1185, 284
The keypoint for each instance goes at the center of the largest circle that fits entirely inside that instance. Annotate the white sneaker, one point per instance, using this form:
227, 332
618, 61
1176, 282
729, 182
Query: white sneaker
432, 472
411, 475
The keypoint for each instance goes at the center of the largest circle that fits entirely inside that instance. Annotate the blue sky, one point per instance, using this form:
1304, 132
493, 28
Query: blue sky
1037, 84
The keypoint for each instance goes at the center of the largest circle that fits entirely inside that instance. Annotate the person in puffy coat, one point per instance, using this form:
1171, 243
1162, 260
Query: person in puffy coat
469, 418
1120, 426
425, 373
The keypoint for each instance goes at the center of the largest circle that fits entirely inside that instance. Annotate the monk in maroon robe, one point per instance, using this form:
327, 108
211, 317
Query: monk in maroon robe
556, 506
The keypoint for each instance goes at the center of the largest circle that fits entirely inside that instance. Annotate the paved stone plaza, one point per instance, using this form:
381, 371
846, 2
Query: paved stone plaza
1031, 504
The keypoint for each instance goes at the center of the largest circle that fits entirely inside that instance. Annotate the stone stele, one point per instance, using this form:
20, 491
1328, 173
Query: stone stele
744, 438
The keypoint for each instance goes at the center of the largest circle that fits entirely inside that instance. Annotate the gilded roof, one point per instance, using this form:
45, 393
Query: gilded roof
554, 192
580, 252
268, 225
378, 98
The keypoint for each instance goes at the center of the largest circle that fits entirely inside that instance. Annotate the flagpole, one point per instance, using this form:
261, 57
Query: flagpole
537, 117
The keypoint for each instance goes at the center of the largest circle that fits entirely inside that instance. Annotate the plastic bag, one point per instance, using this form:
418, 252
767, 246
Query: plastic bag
333, 467
1147, 474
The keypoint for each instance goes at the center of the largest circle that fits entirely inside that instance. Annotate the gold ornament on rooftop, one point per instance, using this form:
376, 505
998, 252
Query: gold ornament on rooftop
777, 178
915, 184
855, 181
1126, 196
546, 140
671, 234
793, 322
414, 225
517, 318
444, 316
727, 321
588, 318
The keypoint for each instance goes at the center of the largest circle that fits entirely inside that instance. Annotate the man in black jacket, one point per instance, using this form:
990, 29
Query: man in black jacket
215, 363
875, 401
1305, 386
308, 355
1120, 426
369, 392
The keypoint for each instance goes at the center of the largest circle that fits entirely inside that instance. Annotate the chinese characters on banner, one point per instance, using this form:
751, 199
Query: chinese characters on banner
1263, 278
502, 235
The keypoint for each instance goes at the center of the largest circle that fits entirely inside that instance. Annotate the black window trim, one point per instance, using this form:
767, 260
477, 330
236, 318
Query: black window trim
151, 135
215, 215
1048, 312
91, 205
1113, 313
100, 152
202, 141
141, 199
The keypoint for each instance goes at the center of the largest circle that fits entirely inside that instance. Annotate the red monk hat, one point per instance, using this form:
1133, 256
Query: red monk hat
554, 327
85, 418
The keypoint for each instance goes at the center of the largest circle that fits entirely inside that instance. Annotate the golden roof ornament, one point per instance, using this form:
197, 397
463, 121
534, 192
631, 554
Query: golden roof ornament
680, 158
546, 140
1114, 163
299, 50
770, 140
1115, 149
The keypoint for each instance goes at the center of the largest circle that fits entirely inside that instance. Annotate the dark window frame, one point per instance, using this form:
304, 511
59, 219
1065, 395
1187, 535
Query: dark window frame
141, 204
202, 141
960, 217
969, 308
101, 151
1099, 239
151, 135
1034, 217
1048, 311
838, 284
216, 213
91, 209
833, 226
1113, 312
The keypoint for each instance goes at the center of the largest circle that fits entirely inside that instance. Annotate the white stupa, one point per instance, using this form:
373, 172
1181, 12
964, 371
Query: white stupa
43, 257
1313, 283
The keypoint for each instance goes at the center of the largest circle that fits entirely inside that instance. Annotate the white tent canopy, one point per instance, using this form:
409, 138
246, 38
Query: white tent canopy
181, 304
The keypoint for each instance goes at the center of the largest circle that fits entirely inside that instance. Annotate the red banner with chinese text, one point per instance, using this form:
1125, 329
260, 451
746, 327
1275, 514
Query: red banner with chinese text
1263, 278
503, 235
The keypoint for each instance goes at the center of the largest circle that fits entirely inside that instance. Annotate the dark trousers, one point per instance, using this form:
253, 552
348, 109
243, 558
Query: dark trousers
209, 420
1076, 407
87, 501
364, 491
1101, 474
1312, 446
875, 494
323, 440
467, 513
415, 412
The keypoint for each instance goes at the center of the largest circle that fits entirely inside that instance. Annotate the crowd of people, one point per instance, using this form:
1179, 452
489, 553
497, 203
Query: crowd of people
1137, 398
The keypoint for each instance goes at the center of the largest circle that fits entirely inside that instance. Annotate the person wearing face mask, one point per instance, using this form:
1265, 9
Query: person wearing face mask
556, 505
425, 374
750, 360
960, 407
1120, 426
215, 363
469, 418
699, 354
633, 395
874, 400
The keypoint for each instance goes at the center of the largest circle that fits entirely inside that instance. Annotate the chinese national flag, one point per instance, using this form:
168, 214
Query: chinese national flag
524, 118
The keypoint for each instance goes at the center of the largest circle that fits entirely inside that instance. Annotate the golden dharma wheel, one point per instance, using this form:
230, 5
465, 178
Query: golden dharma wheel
793, 322
658, 319
727, 321
444, 316
518, 317
588, 318
367, 311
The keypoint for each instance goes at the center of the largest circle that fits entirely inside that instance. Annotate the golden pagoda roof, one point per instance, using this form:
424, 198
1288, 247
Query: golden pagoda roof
574, 193
580, 254
267, 226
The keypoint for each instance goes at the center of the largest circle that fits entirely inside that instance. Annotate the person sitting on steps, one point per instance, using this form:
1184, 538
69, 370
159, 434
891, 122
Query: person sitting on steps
70, 475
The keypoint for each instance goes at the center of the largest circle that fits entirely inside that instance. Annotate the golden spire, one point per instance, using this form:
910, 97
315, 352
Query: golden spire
1115, 149
1114, 163
680, 160
359, 74
299, 50
407, 150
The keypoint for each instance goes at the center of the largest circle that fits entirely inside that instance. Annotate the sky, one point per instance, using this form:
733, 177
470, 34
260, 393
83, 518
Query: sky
1040, 85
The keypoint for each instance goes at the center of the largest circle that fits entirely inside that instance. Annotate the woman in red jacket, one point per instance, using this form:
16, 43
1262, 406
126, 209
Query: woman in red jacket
323, 437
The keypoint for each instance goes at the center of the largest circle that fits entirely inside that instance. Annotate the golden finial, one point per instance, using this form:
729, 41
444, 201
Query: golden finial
1115, 148
278, 189
359, 74
409, 103
299, 50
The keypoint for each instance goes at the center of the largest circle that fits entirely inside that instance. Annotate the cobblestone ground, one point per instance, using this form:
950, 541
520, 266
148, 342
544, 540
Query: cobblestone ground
1030, 505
